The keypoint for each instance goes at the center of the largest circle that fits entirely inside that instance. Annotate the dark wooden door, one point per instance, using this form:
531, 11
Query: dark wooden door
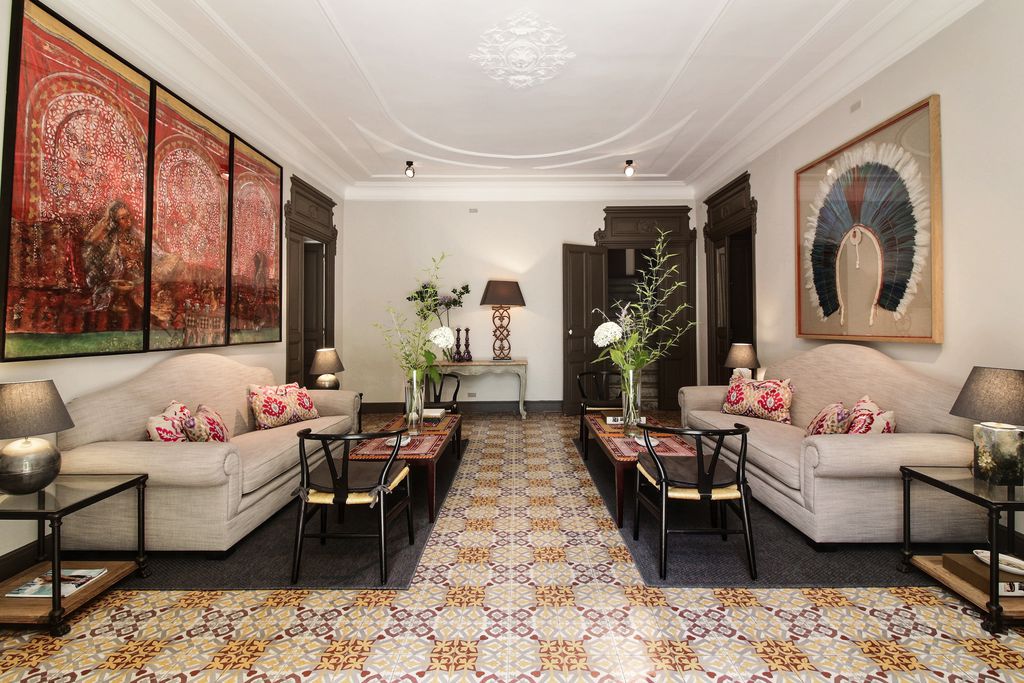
729, 243
293, 317
312, 303
584, 289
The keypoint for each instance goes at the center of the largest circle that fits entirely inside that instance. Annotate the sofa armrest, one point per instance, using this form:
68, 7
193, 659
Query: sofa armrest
701, 398
330, 402
193, 465
850, 456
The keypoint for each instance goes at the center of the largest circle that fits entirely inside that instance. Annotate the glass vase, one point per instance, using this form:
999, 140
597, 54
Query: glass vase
631, 391
415, 396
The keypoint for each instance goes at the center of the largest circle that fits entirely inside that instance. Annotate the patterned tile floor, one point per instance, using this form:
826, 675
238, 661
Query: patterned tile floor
524, 579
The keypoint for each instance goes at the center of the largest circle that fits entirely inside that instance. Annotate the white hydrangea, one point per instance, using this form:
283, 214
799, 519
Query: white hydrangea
607, 333
442, 337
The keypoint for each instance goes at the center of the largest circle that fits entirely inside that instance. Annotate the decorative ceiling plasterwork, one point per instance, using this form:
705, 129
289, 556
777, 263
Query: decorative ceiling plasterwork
522, 51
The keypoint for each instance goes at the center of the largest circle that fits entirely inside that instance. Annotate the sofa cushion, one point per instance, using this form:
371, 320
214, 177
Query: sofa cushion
772, 446
267, 453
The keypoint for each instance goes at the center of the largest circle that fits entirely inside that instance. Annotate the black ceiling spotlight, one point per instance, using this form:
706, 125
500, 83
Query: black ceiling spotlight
630, 169
410, 172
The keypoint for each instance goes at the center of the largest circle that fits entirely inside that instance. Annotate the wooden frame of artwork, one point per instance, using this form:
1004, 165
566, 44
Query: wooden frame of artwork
869, 234
98, 238
257, 202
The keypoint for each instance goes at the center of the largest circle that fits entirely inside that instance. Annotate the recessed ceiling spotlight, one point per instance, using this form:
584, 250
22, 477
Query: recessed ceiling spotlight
410, 172
630, 168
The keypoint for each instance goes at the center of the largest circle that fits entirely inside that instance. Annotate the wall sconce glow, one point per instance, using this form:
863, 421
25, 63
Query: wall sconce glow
410, 172
630, 169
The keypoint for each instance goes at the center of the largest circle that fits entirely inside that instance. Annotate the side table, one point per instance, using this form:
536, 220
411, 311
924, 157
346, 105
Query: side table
480, 367
996, 500
67, 494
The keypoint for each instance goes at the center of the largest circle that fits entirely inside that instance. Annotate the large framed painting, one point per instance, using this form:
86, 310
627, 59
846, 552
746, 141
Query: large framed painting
73, 205
188, 281
255, 247
869, 234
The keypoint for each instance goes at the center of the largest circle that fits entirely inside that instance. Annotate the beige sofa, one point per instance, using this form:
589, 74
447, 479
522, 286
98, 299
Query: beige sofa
847, 487
200, 496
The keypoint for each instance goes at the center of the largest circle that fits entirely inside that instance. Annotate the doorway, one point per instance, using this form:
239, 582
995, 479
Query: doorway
595, 277
729, 246
311, 252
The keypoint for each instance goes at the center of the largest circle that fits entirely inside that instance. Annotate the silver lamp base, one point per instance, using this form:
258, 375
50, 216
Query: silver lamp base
328, 381
28, 465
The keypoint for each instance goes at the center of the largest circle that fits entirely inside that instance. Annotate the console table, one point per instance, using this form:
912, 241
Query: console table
482, 367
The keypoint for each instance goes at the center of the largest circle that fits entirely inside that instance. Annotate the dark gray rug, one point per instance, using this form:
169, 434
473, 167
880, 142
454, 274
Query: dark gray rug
263, 559
784, 557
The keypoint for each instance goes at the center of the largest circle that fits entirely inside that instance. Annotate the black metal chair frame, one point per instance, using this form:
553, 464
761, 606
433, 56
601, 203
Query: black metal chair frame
340, 489
704, 486
437, 391
603, 400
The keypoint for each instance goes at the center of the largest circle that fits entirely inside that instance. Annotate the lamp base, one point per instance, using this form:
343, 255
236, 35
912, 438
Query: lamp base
327, 381
501, 346
28, 465
999, 454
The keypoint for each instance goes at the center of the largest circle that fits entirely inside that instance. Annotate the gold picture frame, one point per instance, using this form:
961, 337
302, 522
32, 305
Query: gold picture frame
869, 234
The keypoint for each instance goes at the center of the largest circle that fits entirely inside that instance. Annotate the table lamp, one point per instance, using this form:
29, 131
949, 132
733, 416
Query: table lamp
995, 395
744, 357
326, 362
27, 409
500, 295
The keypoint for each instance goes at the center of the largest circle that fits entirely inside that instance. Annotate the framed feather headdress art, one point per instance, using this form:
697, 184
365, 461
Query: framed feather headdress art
869, 234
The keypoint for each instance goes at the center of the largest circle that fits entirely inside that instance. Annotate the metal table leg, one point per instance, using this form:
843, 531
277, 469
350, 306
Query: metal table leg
907, 554
56, 620
140, 559
994, 622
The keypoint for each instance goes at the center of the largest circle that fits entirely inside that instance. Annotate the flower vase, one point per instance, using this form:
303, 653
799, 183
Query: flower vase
415, 396
631, 392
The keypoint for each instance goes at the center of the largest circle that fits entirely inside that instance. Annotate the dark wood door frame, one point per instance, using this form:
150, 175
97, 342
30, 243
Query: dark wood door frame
309, 214
730, 209
636, 227
584, 289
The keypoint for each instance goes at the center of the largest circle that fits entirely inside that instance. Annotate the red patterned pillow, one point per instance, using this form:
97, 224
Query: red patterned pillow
766, 399
169, 425
867, 418
275, 406
206, 424
833, 419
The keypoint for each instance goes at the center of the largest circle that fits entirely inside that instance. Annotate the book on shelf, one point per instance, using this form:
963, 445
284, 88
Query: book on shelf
975, 572
70, 581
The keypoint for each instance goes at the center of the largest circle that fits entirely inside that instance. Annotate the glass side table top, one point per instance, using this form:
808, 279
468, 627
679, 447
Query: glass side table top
66, 491
962, 480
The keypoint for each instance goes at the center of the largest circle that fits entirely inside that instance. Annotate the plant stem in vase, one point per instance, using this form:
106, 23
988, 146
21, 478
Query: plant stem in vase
631, 393
415, 390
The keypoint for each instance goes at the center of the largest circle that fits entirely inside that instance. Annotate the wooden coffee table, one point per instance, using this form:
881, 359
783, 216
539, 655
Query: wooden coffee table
421, 452
620, 452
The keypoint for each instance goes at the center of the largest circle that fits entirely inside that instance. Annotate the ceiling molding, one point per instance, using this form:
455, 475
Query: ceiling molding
659, 101
757, 137
525, 191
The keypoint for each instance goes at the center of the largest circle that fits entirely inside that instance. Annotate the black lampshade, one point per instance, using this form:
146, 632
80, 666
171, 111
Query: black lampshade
502, 293
742, 356
326, 362
992, 395
31, 408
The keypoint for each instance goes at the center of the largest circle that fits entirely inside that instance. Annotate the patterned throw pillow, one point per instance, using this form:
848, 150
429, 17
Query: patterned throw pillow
867, 418
833, 419
766, 399
214, 423
275, 406
169, 425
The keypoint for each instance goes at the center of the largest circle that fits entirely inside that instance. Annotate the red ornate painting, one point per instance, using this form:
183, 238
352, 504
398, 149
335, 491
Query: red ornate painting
188, 292
255, 247
76, 189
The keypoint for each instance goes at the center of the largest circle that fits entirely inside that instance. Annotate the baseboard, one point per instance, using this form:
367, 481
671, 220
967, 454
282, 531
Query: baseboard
19, 559
475, 407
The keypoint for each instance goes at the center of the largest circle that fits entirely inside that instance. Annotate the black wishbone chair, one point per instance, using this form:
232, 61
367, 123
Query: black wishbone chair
695, 478
599, 389
357, 482
436, 391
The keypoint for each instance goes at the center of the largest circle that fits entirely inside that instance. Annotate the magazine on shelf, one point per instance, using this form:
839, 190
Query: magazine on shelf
70, 581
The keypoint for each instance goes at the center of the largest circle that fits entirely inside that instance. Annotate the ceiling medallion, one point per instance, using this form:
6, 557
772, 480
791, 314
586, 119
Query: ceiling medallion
522, 51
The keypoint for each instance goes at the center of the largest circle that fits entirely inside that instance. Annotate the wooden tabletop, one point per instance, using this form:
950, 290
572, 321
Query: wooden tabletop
482, 363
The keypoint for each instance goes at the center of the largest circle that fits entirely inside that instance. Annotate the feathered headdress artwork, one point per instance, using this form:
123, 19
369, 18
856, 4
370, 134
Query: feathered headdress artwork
873, 192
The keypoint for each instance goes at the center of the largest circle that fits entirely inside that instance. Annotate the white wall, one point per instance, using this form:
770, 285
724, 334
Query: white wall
975, 67
386, 246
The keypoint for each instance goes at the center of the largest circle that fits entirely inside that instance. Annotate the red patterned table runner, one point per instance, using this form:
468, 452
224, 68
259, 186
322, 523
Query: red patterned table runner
625, 450
418, 445
428, 445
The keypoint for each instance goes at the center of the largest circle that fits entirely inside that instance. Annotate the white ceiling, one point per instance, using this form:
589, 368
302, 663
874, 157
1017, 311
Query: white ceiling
570, 90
